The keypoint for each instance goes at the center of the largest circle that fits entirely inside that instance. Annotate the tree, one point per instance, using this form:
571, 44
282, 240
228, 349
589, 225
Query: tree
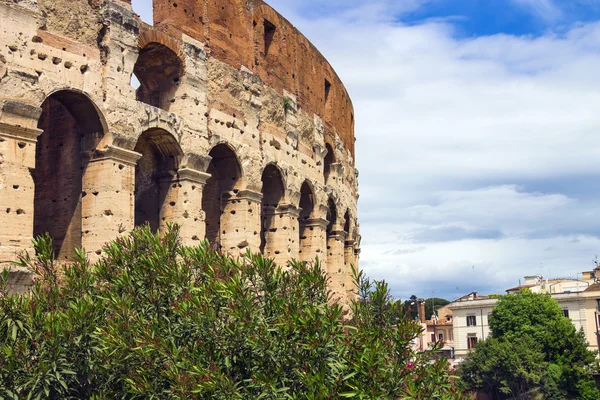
153, 320
525, 324
434, 303
411, 308
511, 368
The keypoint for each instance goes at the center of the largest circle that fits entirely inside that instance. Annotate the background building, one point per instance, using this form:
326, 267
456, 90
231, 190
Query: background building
579, 300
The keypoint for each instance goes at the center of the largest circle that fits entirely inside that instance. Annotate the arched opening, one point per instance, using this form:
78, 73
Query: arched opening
332, 218
349, 242
328, 162
307, 206
225, 175
347, 223
71, 129
273, 194
158, 70
161, 155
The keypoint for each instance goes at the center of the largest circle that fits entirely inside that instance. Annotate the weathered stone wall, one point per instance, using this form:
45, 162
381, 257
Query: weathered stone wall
240, 131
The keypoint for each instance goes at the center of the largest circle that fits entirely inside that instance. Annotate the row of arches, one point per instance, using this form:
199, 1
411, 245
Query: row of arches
66, 189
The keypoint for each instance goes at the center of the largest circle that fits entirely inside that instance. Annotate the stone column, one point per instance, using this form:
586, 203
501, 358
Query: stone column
335, 263
348, 263
313, 241
182, 204
282, 240
17, 159
107, 199
240, 222
18, 138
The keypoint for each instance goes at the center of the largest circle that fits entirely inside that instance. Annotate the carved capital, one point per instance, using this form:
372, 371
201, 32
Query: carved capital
118, 154
192, 175
316, 223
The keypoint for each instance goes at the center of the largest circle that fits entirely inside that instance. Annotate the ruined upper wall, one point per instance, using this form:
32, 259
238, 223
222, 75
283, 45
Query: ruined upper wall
249, 34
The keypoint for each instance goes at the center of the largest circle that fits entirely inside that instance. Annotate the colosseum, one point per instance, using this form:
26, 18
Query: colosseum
239, 131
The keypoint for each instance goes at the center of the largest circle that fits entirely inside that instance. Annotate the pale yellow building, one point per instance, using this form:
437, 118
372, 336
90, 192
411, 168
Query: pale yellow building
578, 298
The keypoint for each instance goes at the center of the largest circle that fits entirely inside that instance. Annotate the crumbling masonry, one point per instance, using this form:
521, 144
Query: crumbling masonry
240, 131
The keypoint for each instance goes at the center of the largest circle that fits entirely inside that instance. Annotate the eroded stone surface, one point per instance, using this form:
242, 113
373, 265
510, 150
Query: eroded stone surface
240, 132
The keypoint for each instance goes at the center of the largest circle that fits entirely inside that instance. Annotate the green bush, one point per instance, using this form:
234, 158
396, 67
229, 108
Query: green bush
153, 320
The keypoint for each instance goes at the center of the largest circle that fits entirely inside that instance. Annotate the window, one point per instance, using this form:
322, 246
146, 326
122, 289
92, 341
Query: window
433, 337
440, 337
566, 313
269, 35
327, 89
471, 342
471, 320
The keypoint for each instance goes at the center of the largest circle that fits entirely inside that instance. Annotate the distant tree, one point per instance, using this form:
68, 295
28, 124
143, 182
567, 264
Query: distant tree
513, 369
411, 308
523, 324
434, 302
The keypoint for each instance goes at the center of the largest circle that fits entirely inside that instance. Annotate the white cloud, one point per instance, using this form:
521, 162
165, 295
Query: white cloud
545, 9
451, 131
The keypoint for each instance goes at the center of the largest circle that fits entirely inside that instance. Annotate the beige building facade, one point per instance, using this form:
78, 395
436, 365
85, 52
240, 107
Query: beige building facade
240, 132
579, 300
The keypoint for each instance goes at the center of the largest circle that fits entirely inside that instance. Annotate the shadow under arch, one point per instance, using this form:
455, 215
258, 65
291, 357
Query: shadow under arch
273, 192
159, 70
72, 128
225, 180
306, 232
328, 162
154, 172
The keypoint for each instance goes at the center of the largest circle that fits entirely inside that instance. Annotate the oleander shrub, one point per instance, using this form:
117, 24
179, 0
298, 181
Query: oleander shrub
156, 320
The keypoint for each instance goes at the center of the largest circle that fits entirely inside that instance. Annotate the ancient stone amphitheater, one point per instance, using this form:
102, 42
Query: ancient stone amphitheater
240, 131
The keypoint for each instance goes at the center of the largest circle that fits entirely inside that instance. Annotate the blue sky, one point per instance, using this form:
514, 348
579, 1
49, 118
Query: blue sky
478, 135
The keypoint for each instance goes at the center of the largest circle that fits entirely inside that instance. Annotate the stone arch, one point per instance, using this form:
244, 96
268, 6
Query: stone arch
307, 233
161, 155
72, 130
159, 69
273, 194
218, 199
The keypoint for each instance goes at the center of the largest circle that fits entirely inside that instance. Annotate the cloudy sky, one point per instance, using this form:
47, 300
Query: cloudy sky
478, 135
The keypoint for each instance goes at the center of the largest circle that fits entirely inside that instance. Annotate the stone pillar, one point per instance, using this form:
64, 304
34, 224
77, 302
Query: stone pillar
313, 241
18, 141
282, 240
348, 263
182, 204
17, 158
335, 263
107, 199
240, 222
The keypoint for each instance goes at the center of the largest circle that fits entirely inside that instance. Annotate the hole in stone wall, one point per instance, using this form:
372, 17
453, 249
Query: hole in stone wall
327, 89
347, 222
331, 216
269, 35
158, 70
161, 155
225, 171
329, 160
71, 126
273, 193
